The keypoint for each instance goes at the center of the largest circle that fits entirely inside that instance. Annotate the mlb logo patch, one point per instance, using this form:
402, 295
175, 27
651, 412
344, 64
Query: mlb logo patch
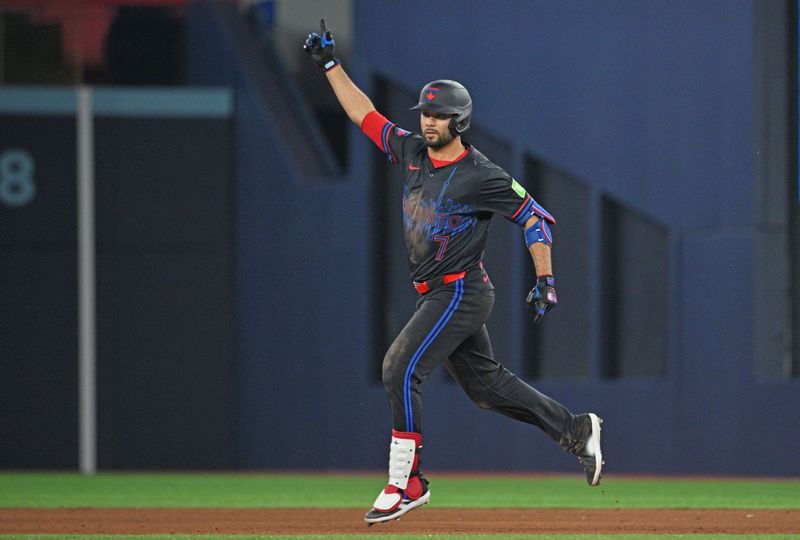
402, 133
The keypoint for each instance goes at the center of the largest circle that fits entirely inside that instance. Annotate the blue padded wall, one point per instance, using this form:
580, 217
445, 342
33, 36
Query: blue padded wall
649, 103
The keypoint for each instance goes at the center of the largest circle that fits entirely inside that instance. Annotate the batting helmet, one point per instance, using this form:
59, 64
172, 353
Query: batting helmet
447, 97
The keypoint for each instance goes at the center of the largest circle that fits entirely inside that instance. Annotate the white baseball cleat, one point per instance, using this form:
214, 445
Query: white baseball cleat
376, 516
592, 455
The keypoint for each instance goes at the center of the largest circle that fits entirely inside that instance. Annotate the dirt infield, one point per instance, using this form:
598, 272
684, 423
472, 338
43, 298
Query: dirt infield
424, 520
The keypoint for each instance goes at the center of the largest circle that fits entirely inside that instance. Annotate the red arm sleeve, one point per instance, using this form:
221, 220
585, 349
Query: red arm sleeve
372, 125
394, 141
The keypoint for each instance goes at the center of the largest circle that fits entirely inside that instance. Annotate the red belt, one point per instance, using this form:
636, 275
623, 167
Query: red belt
426, 286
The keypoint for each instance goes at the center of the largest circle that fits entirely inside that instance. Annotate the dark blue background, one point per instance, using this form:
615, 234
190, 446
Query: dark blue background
650, 103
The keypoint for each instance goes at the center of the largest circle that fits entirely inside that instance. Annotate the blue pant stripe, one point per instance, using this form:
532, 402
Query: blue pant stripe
437, 328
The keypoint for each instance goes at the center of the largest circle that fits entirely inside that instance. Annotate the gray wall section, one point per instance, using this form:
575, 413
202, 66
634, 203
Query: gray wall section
774, 196
547, 354
164, 301
164, 265
38, 302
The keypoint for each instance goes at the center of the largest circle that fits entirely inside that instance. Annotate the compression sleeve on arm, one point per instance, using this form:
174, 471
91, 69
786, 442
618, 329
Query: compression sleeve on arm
377, 128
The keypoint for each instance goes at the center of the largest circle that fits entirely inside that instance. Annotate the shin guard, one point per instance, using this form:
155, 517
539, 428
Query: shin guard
405, 481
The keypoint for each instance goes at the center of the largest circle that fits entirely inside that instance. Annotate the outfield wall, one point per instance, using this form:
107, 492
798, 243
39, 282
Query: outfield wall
655, 113
243, 326
162, 171
655, 109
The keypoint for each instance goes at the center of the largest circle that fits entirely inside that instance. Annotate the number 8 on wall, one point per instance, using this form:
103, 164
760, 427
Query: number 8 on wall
16, 177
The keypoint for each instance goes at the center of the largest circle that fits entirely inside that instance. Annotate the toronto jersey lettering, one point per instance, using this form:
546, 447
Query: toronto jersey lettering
447, 209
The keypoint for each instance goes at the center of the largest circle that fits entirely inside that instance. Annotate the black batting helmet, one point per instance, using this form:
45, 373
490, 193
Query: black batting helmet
447, 97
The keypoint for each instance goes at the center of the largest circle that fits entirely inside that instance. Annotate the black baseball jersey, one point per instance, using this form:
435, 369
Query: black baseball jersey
447, 208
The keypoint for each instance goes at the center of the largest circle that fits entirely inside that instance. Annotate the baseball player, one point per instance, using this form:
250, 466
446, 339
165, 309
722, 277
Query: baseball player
451, 192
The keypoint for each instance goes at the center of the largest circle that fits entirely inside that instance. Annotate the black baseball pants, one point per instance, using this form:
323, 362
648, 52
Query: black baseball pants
448, 327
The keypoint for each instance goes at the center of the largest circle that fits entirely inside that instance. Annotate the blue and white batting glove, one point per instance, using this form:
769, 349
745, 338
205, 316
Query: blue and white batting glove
321, 48
542, 297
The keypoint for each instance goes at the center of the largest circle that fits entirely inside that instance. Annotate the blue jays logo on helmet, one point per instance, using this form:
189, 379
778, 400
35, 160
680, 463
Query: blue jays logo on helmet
431, 95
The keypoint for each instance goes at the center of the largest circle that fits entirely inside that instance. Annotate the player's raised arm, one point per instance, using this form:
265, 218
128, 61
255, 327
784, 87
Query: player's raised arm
321, 48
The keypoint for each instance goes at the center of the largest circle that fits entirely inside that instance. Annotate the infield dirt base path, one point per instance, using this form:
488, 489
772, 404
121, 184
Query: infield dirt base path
422, 520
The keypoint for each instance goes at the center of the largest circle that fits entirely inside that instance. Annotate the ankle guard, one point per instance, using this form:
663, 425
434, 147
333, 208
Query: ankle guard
403, 457
405, 480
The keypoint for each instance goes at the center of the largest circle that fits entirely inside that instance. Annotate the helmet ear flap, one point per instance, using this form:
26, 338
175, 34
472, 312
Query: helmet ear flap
454, 126
458, 128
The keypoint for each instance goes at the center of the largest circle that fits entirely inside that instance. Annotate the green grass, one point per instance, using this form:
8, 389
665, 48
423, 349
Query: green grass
357, 491
421, 537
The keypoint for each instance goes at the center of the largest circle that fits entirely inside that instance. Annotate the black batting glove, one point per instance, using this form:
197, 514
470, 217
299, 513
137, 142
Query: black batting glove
542, 297
321, 48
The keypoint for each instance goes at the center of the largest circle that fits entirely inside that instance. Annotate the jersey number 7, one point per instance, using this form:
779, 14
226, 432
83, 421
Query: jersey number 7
442, 240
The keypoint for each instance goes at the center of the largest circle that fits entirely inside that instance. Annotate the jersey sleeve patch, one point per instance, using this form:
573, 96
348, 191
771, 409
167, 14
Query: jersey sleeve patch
518, 189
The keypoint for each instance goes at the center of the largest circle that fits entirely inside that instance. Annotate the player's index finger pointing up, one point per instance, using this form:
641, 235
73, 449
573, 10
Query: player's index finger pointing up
322, 28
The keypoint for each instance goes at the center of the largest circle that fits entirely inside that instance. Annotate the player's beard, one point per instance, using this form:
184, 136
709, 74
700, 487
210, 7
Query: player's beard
440, 140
